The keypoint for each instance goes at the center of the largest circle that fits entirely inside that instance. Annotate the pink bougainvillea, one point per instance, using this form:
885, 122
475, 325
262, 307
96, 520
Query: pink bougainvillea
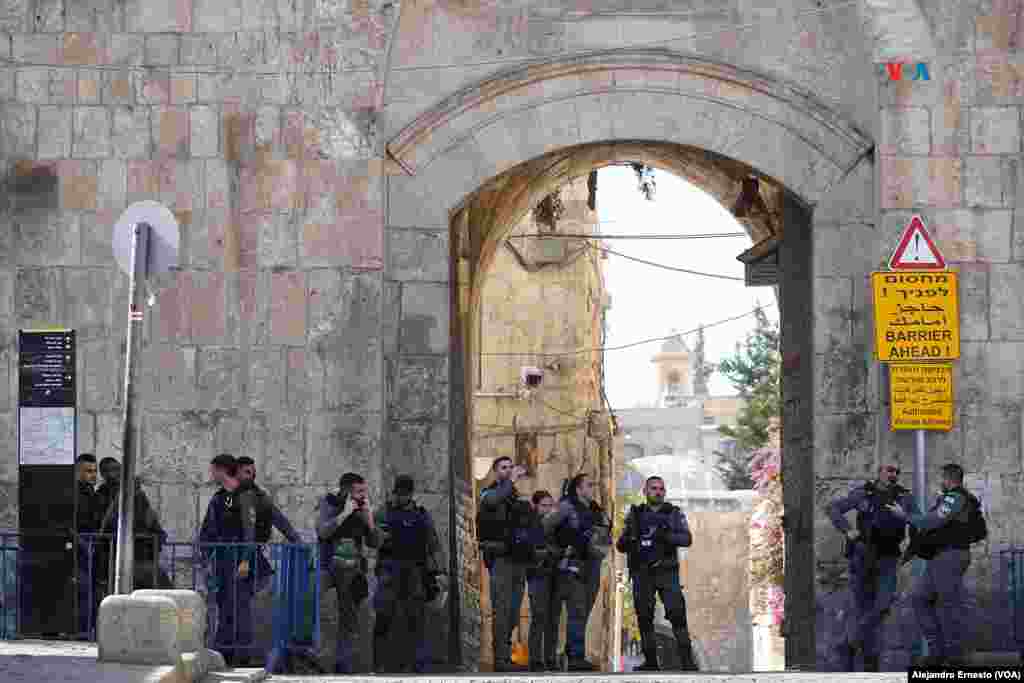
767, 551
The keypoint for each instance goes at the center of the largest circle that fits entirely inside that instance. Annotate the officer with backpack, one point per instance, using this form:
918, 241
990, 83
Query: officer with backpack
873, 554
504, 522
581, 532
945, 535
652, 536
408, 571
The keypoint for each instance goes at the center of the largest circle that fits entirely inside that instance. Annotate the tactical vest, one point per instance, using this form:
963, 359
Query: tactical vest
231, 518
648, 548
566, 536
522, 532
408, 531
961, 530
264, 515
492, 523
877, 525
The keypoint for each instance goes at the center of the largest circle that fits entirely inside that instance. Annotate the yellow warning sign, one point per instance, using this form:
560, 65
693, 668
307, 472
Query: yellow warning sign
917, 316
921, 395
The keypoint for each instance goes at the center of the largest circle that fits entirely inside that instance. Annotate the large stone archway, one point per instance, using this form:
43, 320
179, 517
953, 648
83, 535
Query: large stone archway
474, 164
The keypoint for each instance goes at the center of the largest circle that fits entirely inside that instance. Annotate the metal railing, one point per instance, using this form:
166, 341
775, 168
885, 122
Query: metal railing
1013, 564
230, 575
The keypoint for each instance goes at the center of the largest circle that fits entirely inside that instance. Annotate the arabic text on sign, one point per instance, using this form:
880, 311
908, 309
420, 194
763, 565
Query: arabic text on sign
916, 316
922, 396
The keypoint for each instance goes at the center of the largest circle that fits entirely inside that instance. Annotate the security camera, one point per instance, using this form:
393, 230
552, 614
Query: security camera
532, 377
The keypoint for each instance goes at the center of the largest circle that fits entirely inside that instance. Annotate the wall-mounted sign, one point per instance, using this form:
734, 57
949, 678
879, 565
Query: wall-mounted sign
917, 316
921, 395
46, 397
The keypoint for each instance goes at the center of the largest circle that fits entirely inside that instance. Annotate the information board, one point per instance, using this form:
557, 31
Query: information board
921, 395
46, 397
917, 316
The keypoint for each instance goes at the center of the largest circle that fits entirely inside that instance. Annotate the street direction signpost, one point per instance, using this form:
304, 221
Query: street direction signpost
917, 323
145, 242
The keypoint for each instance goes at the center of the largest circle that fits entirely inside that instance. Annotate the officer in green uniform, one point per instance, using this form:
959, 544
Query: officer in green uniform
344, 526
946, 533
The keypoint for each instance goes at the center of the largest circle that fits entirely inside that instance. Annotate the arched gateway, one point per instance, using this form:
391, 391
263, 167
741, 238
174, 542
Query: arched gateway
473, 165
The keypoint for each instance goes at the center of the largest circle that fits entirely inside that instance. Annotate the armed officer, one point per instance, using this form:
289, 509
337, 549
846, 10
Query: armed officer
652, 536
504, 524
544, 617
231, 521
344, 526
581, 532
946, 533
873, 553
408, 571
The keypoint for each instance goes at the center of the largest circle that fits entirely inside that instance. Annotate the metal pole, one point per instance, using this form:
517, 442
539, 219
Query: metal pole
130, 440
920, 474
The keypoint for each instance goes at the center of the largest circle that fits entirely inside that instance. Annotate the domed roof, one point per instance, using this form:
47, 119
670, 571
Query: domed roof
674, 345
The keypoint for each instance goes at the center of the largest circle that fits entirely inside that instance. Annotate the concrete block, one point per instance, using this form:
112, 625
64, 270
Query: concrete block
220, 379
844, 444
171, 17
179, 446
418, 255
56, 143
18, 130
1007, 306
203, 297
99, 382
421, 450
990, 182
288, 308
989, 373
425, 318
337, 443
94, 16
975, 282
844, 376
212, 16
8, 445
392, 307
87, 299
170, 131
905, 131
279, 239
969, 235
344, 339
995, 130
191, 614
36, 297
92, 133
33, 85
45, 239
299, 390
418, 388
170, 374
275, 441
204, 128
266, 385
134, 629
832, 302
162, 50
993, 433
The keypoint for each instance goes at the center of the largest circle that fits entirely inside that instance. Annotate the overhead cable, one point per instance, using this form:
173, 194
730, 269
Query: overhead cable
630, 345
672, 268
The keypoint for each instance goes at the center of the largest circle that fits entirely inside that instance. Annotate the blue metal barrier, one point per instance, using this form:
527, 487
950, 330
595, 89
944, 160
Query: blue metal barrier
1013, 562
212, 569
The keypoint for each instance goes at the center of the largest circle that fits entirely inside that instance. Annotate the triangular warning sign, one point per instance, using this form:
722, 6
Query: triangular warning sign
916, 250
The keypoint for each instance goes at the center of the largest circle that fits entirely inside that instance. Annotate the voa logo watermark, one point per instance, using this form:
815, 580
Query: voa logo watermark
904, 71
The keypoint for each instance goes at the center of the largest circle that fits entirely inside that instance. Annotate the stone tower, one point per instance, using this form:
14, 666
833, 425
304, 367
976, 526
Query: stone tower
674, 376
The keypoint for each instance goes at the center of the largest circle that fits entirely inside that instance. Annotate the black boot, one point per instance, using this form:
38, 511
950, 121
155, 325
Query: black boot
650, 648
871, 663
687, 662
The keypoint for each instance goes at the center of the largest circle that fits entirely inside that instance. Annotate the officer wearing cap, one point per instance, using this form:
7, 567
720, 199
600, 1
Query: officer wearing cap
873, 552
408, 571
653, 534
946, 531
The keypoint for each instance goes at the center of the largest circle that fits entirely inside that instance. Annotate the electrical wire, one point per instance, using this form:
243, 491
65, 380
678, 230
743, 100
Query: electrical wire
632, 344
672, 268
432, 67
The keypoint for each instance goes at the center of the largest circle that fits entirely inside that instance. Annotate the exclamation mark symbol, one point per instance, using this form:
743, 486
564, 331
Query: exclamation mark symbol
917, 246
